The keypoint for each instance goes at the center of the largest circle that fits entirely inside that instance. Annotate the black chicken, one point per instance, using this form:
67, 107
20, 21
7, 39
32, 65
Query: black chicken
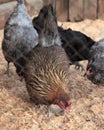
95, 67
19, 34
76, 44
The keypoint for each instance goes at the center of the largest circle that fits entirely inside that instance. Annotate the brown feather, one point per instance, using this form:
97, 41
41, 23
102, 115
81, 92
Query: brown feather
46, 74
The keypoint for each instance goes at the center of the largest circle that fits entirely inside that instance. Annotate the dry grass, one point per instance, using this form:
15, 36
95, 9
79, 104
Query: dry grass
87, 109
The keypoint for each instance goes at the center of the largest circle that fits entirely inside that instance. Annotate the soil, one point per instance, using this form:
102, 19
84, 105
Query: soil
17, 112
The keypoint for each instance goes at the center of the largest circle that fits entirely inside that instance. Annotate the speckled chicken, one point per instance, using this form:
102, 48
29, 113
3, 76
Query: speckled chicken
46, 75
46, 70
95, 67
19, 35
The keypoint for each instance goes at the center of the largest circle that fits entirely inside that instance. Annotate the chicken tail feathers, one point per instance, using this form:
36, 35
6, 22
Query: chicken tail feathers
20, 1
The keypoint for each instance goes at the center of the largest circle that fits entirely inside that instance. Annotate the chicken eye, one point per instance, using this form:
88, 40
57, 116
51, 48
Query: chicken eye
90, 70
93, 59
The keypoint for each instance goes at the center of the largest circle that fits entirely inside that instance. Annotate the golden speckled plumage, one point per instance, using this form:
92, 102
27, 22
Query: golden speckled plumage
46, 73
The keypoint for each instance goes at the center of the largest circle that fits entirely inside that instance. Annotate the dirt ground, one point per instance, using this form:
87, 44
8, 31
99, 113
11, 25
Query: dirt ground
87, 108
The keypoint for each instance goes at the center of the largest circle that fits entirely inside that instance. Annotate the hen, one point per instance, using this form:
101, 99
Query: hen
95, 67
76, 44
19, 35
46, 68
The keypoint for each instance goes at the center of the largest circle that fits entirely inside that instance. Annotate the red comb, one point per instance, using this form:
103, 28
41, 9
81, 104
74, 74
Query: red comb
88, 71
68, 107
